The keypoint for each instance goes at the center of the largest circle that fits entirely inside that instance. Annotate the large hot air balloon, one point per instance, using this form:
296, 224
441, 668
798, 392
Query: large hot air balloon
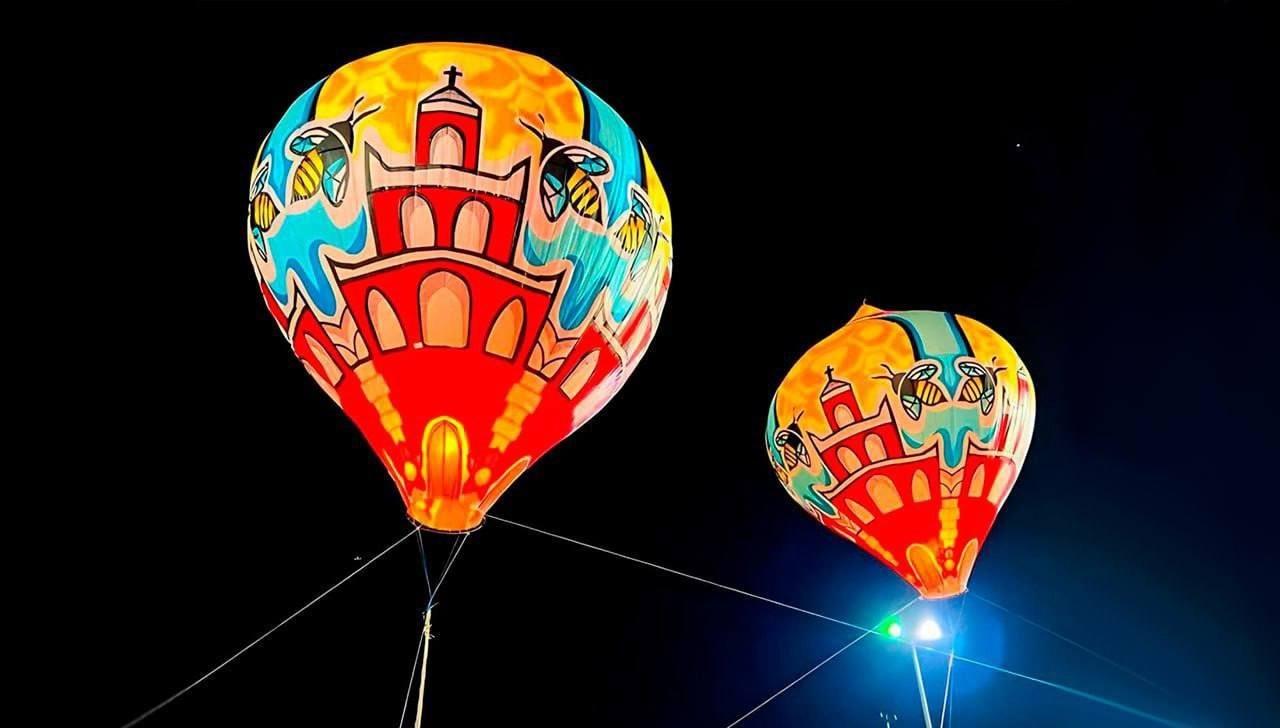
904, 432
469, 251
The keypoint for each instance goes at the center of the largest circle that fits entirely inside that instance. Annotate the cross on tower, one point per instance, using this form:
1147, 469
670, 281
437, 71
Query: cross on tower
453, 73
830, 372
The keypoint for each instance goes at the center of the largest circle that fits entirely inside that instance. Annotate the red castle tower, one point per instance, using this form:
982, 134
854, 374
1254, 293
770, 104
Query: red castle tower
445, 356
854, 441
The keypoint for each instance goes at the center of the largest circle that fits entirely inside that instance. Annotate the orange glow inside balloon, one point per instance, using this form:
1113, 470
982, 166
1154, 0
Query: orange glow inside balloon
904, 432
469, 251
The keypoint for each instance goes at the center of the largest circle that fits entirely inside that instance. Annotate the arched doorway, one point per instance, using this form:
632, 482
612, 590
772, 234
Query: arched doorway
444, 457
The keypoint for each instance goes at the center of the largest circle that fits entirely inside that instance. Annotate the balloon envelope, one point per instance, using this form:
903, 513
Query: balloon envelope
904, 432
469, 251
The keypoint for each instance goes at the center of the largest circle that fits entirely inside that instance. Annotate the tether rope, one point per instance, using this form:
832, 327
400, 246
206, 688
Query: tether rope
947, 695
413, 669
266, 634
454, 550
865, 631
1073, 643
422, 551
1070, 690
813, 669
669, 570
453, 556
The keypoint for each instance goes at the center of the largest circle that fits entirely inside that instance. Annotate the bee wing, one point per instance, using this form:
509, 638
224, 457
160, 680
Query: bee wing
335, 178
588, 161
643, 255
923, 372
308, 141
552, 184
554, 200
260, 181
988, 398
640, 206
912, 405
971, 369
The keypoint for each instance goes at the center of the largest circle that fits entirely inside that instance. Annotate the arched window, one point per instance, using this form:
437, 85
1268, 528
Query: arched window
874, 447
445, 306
884, 494
386, 325
979, 481
919, 487
418, 223
858, 511
504, 337
577, 379
1000, 484
843, 414
446, 147
331, 370
472, 229
848, 460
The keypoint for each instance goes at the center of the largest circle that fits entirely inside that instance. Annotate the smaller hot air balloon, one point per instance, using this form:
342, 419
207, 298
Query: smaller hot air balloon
904, 432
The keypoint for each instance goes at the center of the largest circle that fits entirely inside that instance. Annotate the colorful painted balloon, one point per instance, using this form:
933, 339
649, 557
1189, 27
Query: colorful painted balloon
469, 251
904, 432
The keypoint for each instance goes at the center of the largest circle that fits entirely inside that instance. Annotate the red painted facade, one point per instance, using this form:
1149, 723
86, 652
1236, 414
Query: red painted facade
903, 508
444, 356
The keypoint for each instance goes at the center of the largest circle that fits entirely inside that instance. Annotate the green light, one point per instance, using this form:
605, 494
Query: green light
890, 627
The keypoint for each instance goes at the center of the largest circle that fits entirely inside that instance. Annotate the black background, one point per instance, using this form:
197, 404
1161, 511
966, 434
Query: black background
1088, 182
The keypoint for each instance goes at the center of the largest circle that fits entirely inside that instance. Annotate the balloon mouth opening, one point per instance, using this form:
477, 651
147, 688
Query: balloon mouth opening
446, 531
446, 515
937, 595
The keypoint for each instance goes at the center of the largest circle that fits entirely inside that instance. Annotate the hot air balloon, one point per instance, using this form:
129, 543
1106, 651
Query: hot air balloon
904, 432
469, 252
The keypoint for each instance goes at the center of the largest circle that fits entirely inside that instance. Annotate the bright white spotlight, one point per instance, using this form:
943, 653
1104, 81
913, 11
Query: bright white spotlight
928, 631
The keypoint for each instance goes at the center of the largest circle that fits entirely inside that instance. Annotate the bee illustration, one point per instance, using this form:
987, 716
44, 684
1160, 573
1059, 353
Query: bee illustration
639, 232
567, 173
915, 389
791, 442
262, 208
979, 384
326, 153
638, 228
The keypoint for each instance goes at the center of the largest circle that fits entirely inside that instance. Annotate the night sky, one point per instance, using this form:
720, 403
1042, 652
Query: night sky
1091, 184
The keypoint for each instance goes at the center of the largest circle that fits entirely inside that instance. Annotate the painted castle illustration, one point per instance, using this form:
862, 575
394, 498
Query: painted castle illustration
444, 320
920, 503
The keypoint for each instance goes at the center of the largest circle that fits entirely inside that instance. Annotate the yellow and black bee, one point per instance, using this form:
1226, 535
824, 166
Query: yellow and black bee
916, 388
262, 208
639, 233
567, 173
638, 229
326, 154
790, 442
979, 384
